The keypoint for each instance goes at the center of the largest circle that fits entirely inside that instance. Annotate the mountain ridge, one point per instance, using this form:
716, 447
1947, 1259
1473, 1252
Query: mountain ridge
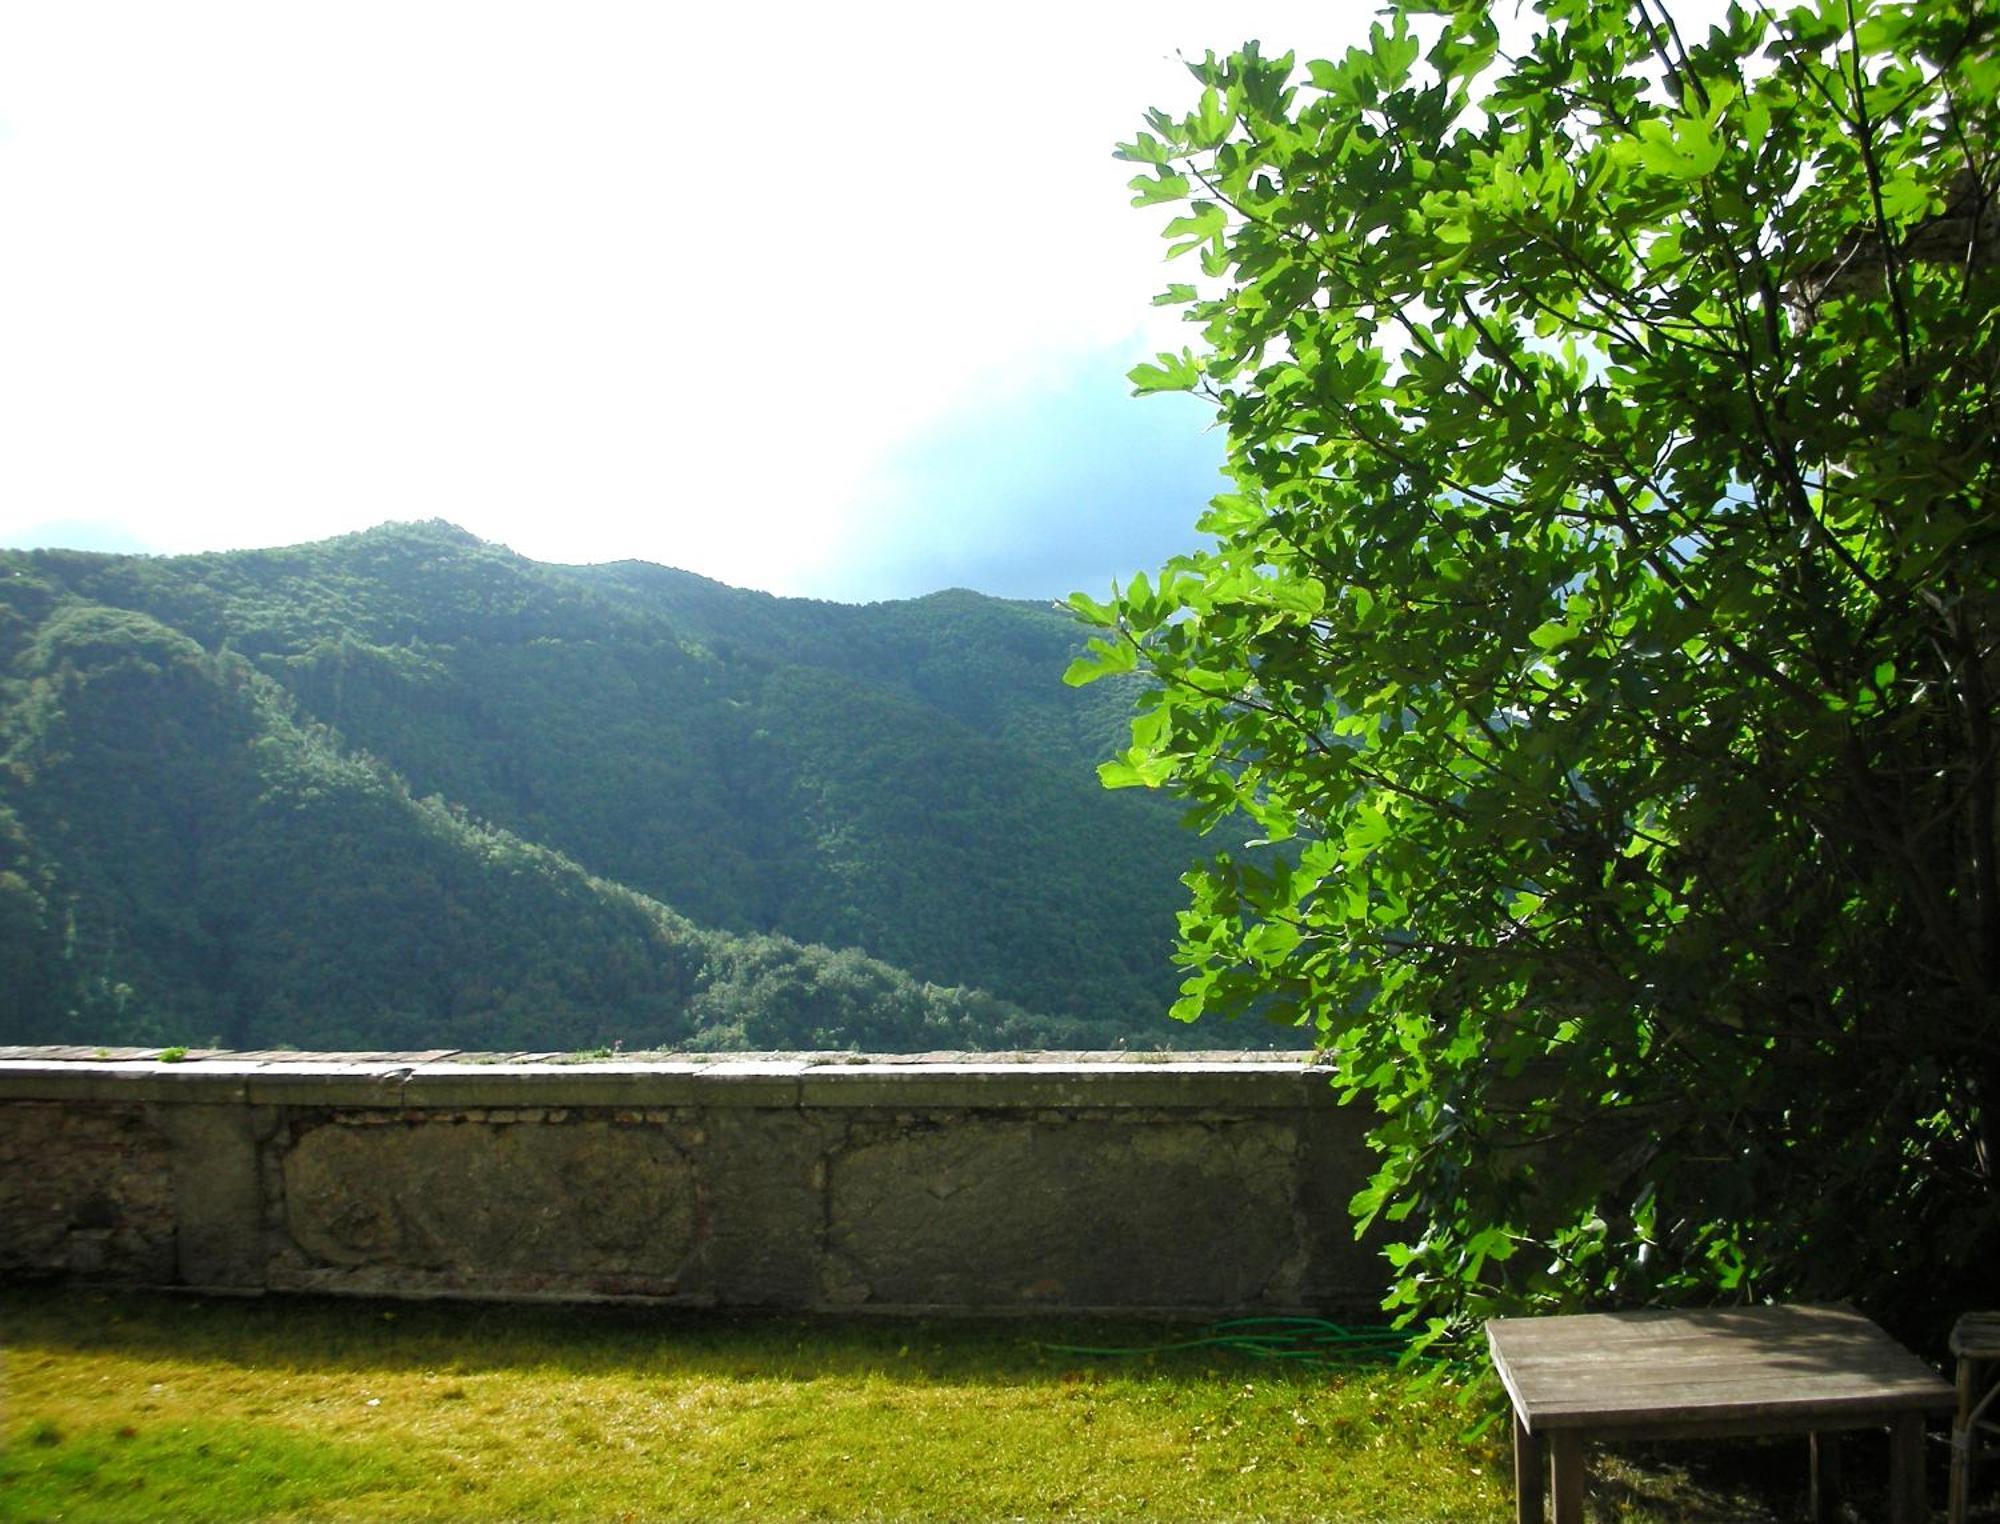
815, 800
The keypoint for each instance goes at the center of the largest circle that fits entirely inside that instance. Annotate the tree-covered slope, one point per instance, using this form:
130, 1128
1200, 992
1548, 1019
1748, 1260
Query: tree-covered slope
185, 859
408, 788
986, 662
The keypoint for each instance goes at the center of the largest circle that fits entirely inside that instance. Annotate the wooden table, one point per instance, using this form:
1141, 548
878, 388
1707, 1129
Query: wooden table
1728, 1371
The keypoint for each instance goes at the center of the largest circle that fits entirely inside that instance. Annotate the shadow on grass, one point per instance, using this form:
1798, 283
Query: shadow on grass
308, 1334
1757, 1481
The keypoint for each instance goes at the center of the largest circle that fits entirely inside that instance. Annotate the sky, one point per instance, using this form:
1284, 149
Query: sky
833, 301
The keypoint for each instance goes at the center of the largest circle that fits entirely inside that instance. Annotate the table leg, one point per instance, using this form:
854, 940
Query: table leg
1566, 1475
1964, 1436
1824, 1493
1529, 1475
1906, 1470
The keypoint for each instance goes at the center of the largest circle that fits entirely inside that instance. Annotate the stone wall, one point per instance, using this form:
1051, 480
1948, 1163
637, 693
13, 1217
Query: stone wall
1067, 1183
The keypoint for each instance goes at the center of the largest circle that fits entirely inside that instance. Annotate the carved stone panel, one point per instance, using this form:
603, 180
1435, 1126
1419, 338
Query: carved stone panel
971, 1211
475, 1202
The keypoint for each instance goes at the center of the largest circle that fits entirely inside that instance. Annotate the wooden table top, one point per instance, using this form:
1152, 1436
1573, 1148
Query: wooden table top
1722, 1366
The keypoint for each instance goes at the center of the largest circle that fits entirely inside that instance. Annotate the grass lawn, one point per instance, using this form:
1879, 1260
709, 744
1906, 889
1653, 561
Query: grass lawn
117, 1406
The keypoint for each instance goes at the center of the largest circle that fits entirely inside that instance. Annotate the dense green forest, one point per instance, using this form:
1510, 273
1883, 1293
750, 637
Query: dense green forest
408, 789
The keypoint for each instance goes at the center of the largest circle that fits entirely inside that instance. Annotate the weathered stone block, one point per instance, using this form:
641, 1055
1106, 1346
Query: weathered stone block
976, 1211
1337, 1271
85, 1188
761, 1202
473, 1206
218, 1194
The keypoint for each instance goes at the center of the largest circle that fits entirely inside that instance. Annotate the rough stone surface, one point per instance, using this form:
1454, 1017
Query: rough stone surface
86, 1189
1335, 1268
762, 1205
479, 1205
970, 1211
218, 1192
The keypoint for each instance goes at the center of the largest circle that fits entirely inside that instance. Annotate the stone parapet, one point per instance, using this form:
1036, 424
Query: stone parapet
1197, 1185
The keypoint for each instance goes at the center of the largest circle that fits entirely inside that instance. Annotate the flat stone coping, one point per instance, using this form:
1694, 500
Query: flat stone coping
444, 1079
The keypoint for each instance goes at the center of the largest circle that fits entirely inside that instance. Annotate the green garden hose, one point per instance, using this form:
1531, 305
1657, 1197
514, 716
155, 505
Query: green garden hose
1311, 1342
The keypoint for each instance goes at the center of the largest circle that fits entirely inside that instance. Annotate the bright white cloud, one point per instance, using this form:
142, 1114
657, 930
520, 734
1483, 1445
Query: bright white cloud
597, 280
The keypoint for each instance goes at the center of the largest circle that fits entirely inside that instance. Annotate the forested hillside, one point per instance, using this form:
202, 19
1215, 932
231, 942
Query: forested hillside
405, 788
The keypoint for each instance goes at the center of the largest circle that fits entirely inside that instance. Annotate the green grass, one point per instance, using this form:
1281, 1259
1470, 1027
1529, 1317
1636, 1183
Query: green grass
134, 1407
